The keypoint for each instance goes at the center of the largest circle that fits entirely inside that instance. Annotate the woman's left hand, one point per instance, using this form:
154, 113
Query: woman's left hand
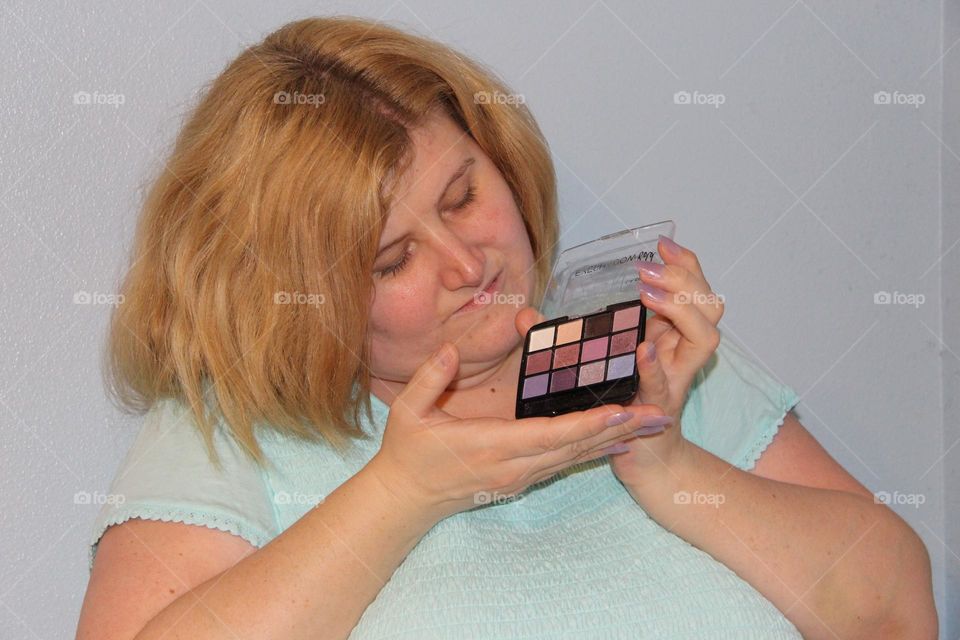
681, 337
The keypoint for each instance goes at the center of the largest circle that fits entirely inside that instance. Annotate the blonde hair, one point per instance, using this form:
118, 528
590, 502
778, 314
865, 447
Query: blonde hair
277, 186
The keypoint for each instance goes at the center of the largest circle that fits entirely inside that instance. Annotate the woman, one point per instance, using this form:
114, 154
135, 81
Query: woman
305, 307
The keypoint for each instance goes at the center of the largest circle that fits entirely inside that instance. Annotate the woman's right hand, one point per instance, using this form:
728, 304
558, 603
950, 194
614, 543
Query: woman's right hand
445, 464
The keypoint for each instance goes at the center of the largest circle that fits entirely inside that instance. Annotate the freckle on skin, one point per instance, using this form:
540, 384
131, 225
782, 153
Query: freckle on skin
172, 591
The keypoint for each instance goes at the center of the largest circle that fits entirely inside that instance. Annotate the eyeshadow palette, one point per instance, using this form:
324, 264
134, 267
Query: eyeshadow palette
574, 363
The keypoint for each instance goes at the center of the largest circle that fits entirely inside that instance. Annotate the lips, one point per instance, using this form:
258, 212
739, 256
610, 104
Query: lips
490, 289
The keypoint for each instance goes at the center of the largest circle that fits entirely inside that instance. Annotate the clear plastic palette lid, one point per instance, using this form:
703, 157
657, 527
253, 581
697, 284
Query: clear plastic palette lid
592, 275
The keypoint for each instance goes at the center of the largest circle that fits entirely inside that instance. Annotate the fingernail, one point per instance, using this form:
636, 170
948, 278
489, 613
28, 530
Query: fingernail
648, 431
619, 418
620, 447
655, 294
651, 353
655, 421
672, 247
651, 269
441, 355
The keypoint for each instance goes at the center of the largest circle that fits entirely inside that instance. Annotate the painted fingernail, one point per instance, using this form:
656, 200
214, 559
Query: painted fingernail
653, 293
655, 421
620, 447
650, 269
672, 247
620, 418
648, 431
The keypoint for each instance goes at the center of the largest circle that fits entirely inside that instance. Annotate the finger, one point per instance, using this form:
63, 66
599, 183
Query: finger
673, 253
699, 336
526, 318
657, 325
419, 397
685, 284
579, 430
654, 386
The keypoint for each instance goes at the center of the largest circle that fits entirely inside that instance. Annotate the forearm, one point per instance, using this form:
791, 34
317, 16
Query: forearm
835, 563
313, 580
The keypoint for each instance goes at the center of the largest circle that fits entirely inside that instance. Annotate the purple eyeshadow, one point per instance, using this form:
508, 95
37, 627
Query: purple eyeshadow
538, 362
563, 379
535, 386
594, 349
591, 373
566, 356
621, 367
622, 342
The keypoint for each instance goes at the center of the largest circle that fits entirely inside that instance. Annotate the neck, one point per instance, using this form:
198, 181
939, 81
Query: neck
468, 396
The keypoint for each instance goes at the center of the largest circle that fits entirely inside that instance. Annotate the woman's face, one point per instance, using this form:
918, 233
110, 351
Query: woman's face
453, 228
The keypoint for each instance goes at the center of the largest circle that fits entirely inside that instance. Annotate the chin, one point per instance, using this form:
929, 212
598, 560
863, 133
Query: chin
487, 335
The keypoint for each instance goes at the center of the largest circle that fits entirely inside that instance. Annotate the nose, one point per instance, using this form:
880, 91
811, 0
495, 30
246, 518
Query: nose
461, 263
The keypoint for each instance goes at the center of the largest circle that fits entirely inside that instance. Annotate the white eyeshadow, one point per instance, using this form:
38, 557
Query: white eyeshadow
541, 339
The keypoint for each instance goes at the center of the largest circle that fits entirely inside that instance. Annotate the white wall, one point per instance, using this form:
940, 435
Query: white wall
802, 197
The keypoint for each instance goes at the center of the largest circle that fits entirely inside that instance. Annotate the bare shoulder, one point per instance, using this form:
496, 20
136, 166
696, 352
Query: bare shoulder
142, 566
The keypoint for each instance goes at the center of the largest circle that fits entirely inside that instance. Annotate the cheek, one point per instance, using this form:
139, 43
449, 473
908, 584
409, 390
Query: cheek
402, 310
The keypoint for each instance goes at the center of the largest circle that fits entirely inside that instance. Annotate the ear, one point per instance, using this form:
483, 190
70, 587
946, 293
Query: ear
526, 318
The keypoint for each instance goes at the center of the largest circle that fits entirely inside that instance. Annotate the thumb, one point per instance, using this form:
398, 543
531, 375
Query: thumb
419, 396
654, 388
526, 318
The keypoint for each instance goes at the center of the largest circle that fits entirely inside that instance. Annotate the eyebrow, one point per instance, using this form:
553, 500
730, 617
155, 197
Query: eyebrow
456, 176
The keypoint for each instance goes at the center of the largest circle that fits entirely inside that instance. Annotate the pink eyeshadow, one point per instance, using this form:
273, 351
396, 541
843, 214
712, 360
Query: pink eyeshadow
591, 373
566, 356
622, 342
594, 349
538, 362
626, 318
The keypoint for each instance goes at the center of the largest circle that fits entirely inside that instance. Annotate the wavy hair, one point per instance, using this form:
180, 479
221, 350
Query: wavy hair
277, 186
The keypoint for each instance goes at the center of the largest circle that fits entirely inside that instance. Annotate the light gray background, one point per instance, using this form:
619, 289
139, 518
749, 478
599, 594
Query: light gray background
802, 197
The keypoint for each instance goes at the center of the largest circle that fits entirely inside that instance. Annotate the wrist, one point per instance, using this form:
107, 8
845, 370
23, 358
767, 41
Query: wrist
393, 490
668, 476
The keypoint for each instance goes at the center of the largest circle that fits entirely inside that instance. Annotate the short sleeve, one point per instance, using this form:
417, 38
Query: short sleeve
168, 476
734, 408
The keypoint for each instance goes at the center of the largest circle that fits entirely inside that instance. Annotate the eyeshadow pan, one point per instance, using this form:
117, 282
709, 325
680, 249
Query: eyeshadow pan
594, 349
597, 325
591, 373
535, 386
541, 339
621, 367
566, 356
563, 379
622, 342
569, 332
626, 318
538, 362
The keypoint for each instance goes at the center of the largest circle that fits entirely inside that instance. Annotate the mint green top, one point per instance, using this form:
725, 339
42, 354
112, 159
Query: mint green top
573, 556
